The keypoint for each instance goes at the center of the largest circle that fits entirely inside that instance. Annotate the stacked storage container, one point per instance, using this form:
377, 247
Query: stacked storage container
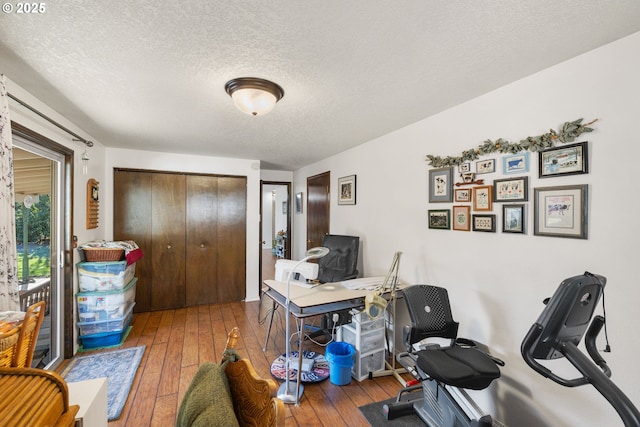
105, 302
367, 335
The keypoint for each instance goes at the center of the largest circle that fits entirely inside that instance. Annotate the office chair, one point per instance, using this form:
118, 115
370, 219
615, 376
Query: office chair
443, 372
342, 261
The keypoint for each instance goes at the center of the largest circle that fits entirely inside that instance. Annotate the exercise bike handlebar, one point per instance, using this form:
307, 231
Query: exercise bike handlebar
527, 348
590, 342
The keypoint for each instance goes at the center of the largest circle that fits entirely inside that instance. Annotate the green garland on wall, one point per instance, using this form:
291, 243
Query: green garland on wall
568, 133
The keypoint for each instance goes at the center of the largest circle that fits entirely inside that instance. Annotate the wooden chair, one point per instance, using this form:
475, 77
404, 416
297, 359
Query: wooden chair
8, 342
28, 335
254, 398
230, 394
34, 398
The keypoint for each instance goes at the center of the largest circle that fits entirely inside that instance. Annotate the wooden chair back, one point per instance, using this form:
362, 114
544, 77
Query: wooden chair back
28, 335
8, 342
254, 398
34, 397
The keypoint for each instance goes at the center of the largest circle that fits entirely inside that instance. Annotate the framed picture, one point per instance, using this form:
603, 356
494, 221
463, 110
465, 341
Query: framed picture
513, 220
484, 223
566, 160
517, 163
462, 195
440, 219
347, 190
482, 198
441, 185
284, 208
486, 166
464, 167
461, 218
511, 189
561, 211
298, 202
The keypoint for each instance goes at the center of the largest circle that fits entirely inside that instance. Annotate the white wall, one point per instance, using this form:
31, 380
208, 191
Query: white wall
121, 158
497, 281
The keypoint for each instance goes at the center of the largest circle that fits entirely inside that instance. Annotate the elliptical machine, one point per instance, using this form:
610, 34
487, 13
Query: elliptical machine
558, 331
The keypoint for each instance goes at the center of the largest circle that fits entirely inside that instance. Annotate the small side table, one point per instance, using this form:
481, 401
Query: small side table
91, 396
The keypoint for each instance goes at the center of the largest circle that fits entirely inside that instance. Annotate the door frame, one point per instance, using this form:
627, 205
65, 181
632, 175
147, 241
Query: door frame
66, 233
289, 229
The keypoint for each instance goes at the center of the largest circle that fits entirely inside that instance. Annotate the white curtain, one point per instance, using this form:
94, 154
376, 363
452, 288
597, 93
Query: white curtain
9, 298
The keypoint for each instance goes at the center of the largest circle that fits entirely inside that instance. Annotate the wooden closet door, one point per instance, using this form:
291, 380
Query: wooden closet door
232, 238
202, 240
168, 241
132, 221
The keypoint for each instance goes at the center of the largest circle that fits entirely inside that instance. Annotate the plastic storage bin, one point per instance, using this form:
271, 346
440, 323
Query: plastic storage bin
93, 306
367, 364
106, 339
109, 325
104, 276
368, 342
366, 323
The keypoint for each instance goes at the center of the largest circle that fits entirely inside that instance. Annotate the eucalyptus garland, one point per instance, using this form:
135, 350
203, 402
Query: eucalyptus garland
568, 133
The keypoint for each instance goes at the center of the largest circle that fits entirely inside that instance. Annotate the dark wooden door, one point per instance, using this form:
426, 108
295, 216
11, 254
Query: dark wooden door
132, 221
216, 239
168, 245
318, 204
192, 230
232, 238
202, 240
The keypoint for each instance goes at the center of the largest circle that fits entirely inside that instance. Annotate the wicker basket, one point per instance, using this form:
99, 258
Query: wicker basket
103, 254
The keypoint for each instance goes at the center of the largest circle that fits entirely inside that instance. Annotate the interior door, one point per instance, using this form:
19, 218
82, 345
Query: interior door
318, 208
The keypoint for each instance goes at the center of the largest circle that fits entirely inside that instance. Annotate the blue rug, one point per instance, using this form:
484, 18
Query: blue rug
119, 367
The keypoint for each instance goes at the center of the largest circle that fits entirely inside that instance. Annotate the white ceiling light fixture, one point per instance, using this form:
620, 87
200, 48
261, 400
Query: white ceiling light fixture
253, 95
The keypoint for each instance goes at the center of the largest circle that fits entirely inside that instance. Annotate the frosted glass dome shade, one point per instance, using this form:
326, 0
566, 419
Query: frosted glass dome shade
254, 96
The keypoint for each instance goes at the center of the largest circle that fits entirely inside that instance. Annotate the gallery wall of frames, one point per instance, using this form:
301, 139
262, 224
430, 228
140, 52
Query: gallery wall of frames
462, 199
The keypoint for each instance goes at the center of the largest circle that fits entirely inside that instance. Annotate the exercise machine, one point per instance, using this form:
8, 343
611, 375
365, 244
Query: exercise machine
560, 328
442, 372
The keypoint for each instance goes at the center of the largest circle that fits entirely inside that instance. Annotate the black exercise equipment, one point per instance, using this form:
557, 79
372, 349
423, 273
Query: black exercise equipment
443, 371
559, 330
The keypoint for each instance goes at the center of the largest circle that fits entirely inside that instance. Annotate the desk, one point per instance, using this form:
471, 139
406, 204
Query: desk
308, 302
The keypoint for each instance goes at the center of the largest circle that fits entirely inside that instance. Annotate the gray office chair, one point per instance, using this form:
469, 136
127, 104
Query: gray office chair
341, 263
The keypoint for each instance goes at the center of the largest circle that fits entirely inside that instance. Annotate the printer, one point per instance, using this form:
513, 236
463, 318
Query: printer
303, 272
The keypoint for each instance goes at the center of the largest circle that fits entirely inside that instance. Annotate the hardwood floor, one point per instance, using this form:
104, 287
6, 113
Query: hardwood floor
178, 341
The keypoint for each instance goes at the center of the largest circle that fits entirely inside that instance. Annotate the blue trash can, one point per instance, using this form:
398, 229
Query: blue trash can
340, 358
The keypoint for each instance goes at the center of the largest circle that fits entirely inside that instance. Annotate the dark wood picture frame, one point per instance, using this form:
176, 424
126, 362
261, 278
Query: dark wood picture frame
570, 159
440, 219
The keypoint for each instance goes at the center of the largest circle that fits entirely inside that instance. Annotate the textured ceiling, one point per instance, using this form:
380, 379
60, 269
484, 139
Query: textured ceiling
151, 75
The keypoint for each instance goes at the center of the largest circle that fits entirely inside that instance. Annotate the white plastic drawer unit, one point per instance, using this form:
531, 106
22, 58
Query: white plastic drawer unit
363, 365
364, 342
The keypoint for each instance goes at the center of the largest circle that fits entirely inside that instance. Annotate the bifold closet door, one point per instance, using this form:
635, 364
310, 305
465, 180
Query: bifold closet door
216, 239
168, 241
192, 230
132, 221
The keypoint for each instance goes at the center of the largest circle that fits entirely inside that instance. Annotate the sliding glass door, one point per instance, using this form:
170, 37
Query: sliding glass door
39, 181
